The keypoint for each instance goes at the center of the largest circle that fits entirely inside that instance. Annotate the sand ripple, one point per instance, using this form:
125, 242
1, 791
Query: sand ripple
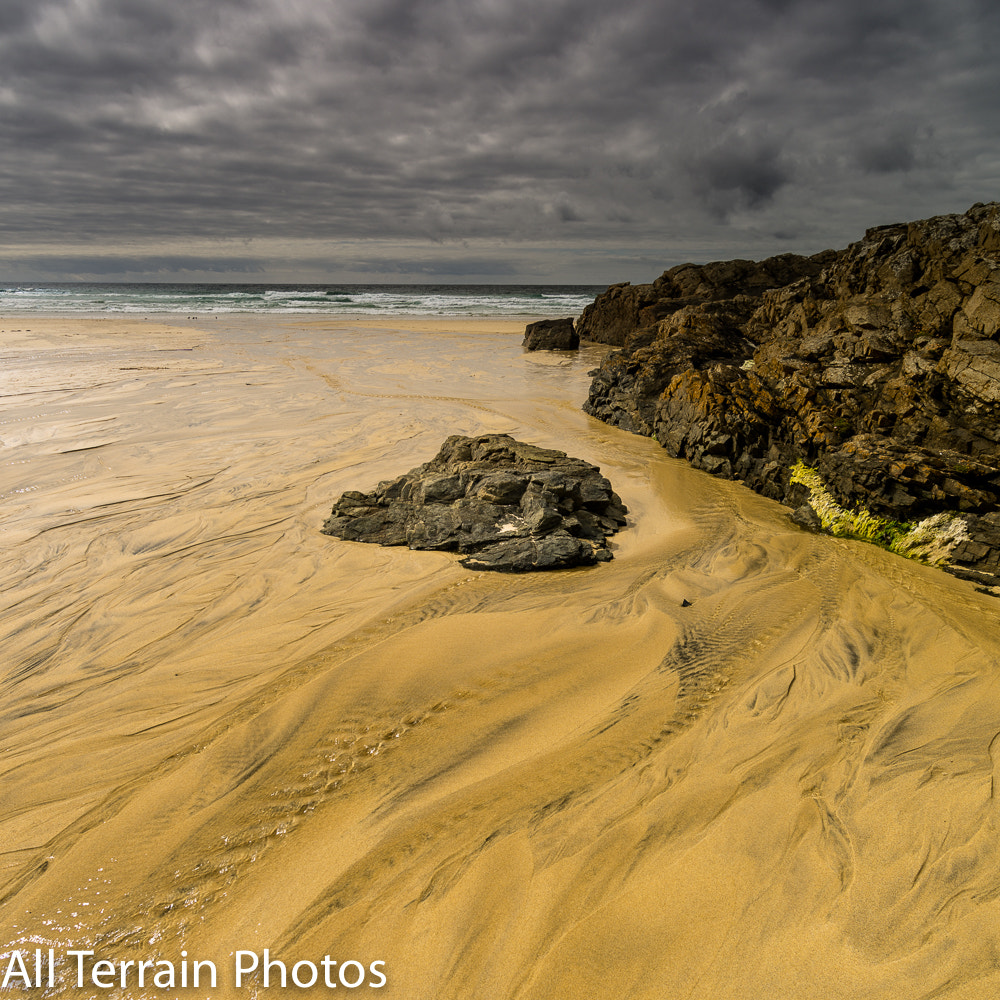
736, 762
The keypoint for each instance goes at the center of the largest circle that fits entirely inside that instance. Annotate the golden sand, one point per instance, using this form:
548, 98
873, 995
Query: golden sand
224, 731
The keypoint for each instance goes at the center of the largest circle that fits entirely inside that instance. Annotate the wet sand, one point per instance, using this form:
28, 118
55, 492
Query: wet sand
222, 730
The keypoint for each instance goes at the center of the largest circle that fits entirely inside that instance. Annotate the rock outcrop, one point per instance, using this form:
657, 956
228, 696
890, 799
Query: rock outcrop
551, 335
878, 364
502, 504
624, 309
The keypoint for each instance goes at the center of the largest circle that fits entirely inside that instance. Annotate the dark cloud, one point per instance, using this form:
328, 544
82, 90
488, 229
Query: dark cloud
55, 266
892, 151
739, 173
578, 124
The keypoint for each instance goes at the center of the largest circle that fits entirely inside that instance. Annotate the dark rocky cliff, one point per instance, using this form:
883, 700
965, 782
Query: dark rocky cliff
625, 308
878, 364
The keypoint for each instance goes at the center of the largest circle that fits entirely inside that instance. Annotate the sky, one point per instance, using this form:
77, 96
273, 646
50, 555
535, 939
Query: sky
571, 141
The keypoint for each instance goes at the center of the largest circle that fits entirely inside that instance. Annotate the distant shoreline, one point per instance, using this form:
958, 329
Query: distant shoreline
341, 301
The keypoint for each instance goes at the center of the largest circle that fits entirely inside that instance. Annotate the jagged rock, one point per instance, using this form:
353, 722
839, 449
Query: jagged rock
879, 364
625, 308
503, 504
551, 335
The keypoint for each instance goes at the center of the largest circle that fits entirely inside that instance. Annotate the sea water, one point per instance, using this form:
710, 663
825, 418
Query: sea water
75, 298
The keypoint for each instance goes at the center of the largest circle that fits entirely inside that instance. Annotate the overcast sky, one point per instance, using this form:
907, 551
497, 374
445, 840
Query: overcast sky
581, 141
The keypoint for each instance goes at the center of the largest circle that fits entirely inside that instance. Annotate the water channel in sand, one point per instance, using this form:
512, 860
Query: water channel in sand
737, 761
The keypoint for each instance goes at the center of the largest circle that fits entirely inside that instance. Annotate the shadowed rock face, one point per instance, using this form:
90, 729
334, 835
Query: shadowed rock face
551, 335
878, 364
503, 504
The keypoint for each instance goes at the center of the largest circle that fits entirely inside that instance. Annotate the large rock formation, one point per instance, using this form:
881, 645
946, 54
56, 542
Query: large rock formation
503, 504
878, 364
623, 309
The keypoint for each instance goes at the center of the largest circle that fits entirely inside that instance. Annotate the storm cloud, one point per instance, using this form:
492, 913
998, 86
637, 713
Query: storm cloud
558, 139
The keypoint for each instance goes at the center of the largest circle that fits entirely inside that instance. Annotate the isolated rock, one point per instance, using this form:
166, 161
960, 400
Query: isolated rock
878, 364
551, 335
503, 504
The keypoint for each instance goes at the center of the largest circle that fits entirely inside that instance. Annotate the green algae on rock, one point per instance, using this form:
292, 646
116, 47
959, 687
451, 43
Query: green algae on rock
931, 540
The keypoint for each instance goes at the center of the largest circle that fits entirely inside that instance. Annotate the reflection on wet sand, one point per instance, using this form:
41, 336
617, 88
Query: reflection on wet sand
737, 761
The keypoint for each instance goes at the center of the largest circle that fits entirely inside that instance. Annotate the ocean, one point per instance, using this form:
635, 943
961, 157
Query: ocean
473, 301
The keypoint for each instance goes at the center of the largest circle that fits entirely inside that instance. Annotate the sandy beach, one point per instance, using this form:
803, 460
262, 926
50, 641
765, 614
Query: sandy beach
738, 761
